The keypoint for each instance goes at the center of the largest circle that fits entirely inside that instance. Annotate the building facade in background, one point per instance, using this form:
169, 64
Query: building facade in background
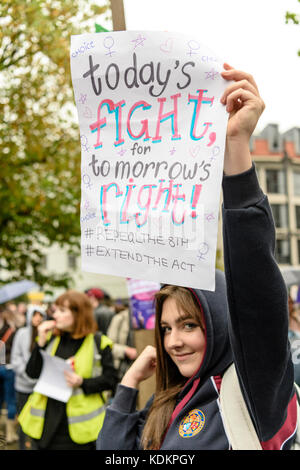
277, 160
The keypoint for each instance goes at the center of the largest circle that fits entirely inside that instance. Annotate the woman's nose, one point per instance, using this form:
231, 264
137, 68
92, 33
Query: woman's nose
175, 339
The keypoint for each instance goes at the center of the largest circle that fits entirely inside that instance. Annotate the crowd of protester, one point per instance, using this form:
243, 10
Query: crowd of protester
20, 367
22, 325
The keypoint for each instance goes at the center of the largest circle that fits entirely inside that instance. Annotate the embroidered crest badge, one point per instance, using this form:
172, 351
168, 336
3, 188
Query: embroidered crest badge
192, 423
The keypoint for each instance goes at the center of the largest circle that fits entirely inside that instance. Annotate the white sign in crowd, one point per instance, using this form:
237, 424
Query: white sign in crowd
152, 132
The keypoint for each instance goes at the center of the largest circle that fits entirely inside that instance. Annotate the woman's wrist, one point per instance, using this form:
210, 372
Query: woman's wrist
237, 156
41, 342
130, 381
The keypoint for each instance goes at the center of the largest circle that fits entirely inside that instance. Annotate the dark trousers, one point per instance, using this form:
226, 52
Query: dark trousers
8, 394
21, 400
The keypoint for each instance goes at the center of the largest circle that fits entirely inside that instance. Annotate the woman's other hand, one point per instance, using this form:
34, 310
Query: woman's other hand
43, 329
142, 368
73, 380
245, 106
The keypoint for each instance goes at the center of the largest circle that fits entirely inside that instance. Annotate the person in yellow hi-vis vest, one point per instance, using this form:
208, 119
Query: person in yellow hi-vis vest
71, 335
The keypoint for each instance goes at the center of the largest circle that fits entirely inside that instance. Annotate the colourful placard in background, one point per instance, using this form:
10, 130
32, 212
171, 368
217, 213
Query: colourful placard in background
142, 305
152, 132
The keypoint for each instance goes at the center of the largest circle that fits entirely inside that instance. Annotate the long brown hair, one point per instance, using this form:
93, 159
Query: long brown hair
34, 330
82, 310
169, 381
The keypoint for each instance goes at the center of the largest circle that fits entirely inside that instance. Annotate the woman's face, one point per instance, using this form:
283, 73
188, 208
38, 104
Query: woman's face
37, 319
63, 317
183, 338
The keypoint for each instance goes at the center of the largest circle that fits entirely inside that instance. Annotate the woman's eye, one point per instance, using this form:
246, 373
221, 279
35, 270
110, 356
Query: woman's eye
190, 326
165, 329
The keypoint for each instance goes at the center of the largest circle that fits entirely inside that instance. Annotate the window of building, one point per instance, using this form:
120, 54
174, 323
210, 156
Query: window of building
280, 214
282, 251
298, 242
297, 216
275, 180
72, 264
296, 175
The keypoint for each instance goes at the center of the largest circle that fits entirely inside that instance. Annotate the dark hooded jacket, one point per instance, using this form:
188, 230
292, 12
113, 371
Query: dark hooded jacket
246, 321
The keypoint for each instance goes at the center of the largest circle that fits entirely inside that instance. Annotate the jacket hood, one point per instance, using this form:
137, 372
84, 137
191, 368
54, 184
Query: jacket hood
218, 354
214, 306
34, 308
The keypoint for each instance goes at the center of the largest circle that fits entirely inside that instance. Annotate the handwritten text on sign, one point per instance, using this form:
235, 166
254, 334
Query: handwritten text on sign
152, 132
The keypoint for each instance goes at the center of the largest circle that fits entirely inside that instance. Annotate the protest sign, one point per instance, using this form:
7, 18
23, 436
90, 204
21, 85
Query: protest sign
152, 132
142, 306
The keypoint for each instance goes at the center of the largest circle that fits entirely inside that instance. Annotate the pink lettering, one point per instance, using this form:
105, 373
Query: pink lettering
144, 130
198, 100
103, 200
173, 115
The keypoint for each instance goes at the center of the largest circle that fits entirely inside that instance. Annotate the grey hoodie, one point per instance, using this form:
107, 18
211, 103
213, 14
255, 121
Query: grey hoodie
21, 353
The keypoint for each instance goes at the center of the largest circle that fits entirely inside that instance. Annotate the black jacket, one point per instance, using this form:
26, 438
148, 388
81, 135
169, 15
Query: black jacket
246, 321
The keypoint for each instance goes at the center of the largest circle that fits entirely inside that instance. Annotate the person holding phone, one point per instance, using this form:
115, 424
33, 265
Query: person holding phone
70, 335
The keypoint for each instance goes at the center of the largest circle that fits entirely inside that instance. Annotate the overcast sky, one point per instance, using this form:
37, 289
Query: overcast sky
248, 34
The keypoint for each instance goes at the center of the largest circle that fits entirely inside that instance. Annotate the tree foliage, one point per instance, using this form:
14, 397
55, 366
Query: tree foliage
39, 138
293, 18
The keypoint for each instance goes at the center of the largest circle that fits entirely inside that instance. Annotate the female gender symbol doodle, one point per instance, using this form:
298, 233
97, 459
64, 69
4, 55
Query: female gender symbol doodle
203, 250
194, 46
216, 150
87, 181
84, 143
108, 44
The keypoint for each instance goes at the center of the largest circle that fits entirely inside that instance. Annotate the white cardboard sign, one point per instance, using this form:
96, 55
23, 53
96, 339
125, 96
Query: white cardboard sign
152, 132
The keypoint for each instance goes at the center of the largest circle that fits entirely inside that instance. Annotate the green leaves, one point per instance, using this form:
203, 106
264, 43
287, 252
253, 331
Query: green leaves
294, 18
39, 140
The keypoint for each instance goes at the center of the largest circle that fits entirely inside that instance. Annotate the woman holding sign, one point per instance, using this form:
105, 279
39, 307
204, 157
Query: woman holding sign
71, 335
200, 334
